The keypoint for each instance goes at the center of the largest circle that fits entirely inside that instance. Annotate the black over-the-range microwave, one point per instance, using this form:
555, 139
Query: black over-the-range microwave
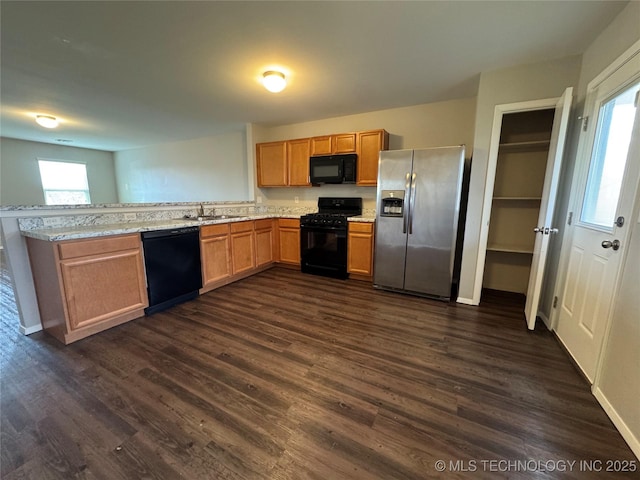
332, 169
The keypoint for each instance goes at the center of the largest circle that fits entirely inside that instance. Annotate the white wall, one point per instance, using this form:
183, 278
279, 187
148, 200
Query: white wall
204, 169
20, 177
516, 84
419, 126
619, 380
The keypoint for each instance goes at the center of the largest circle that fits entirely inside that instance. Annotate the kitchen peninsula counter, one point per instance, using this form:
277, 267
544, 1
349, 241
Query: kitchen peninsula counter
91, 231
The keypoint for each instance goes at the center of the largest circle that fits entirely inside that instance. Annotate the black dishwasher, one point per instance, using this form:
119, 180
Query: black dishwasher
172, 263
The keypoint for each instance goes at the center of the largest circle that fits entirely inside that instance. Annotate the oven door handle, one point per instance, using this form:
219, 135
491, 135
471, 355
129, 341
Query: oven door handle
339, 230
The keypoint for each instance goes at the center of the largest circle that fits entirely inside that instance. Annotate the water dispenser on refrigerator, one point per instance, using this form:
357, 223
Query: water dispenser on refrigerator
392, 203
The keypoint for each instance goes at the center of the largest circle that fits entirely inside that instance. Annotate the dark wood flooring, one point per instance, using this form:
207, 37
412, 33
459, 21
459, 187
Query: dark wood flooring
291, 376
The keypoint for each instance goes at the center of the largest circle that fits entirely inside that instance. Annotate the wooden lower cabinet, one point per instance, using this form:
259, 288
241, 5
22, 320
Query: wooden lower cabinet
232, 251
289, 241
265, 242
243, 254
360, 244
87, 286
215, 253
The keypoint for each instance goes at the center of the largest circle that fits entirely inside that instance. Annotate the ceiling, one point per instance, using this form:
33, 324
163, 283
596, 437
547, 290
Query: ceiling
122, 75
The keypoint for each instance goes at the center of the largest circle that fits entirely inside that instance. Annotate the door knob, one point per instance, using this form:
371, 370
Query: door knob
607, 244
539, 230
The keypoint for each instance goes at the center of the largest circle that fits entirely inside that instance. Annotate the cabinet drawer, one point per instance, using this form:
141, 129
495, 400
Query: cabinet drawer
264, 224
214, 230
85, 248
241, 227
361, 227
289, 223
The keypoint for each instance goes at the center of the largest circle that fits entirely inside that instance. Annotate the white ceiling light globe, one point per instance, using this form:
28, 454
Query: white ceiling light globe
47, 121
274, 81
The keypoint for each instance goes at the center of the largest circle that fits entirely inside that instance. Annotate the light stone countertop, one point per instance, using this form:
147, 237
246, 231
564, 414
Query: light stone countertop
362, 219
91, 231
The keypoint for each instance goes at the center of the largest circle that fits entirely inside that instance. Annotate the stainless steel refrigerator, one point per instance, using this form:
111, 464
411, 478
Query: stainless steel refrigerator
419, 193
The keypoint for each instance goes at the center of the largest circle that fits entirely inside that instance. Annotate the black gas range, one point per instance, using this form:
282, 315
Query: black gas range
323, 236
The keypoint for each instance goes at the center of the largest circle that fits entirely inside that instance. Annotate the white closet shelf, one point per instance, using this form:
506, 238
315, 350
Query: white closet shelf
518, 199
530, 145
510, 249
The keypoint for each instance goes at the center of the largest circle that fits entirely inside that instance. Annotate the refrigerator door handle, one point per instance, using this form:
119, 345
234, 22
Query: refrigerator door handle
413, 201
405, 207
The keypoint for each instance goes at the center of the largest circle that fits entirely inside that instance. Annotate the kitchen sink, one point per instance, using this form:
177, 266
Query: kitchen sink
222, 217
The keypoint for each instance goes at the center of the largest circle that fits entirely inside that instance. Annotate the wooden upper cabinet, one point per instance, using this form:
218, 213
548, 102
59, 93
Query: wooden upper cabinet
369, 145
321, 145
298, 152
330, 144
343, 143
286, 163
271, 162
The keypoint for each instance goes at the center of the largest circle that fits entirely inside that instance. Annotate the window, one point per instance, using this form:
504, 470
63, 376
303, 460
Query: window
609, 157
64, 183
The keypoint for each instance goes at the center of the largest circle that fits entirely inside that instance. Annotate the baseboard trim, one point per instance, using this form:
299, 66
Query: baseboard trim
466, 301
30, 330
627, 434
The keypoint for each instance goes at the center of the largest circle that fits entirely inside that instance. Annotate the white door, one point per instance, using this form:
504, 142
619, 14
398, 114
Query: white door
547, 205
610, 157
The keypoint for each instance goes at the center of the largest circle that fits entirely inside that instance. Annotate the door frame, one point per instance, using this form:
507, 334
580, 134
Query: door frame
581, 170
494, 146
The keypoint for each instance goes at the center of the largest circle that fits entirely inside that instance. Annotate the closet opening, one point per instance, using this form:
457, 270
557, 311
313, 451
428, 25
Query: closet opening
515, 204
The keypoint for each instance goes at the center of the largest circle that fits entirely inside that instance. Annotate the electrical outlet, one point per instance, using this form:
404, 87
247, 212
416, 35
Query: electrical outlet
258, 199
296, 199
130, 216
52, 222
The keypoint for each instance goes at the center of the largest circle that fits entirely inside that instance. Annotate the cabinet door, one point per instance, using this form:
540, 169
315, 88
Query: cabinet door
321, 145
369, 145
100, 287
271, 161
343, 143
216, 261
264, 242
243, 255
360, 249
289, 241
298, 158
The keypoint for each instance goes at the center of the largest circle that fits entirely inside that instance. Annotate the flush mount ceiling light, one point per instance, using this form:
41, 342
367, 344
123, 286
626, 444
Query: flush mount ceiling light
274, 81
47, 121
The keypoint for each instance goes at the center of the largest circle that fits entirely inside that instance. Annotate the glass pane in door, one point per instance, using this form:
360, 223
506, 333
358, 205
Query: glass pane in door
608, 158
